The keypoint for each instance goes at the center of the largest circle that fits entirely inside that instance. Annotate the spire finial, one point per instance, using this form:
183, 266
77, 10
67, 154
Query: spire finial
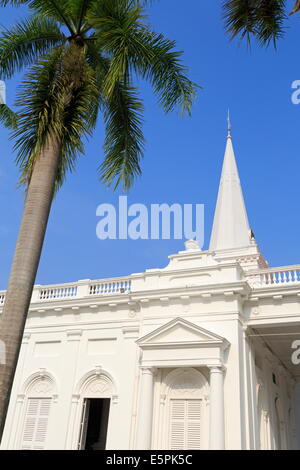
231, 226
229, 124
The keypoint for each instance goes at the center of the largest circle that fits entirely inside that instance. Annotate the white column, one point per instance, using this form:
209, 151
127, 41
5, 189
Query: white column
145, 413
216, 425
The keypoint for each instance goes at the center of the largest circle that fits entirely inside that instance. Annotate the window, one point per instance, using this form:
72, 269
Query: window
185, 424
36, 423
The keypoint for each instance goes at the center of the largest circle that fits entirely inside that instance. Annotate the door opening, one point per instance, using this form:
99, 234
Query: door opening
94, 423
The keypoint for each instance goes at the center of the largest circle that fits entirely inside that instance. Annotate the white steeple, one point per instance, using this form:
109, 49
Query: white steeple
231, 227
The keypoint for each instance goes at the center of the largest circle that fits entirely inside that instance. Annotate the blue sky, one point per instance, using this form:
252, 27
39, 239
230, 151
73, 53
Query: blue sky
183, 156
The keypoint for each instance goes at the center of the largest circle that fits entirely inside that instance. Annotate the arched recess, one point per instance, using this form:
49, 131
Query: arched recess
39, 395
41, 383
186, 409
95, 384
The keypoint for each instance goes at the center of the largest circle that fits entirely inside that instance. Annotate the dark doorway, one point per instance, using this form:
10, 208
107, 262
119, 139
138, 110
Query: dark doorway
94, 424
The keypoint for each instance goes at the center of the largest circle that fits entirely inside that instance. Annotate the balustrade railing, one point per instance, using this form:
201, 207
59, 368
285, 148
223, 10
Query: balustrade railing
78, 290
112, 287
62, 292
274, 276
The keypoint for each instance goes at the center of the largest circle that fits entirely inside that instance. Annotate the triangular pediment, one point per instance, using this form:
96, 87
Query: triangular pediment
180, 331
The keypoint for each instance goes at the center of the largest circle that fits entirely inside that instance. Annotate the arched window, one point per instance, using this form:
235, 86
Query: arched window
187, 400
39, 394
96, 391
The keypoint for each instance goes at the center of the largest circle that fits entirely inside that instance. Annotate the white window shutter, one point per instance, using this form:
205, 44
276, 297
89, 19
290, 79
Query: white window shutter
185, 421
36, 423
177, 424
193, 424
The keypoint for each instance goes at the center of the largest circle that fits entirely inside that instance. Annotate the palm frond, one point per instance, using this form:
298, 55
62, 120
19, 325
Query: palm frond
15, 3
7, 117
34, 99
95, 58
124, 141
121, 32
54, 104
263, 19
78, 11
26, 42
153, 56
115, 24
79, 120
57, 10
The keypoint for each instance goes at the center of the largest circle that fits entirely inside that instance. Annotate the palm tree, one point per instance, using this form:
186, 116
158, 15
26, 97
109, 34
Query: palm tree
81, 57
263, 19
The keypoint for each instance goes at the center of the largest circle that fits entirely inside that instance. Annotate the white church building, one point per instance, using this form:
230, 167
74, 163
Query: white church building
197, 355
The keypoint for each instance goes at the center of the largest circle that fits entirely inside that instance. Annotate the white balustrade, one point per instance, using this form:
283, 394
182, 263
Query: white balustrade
78, 290
62, 292
110, 287
273, 277
93, 288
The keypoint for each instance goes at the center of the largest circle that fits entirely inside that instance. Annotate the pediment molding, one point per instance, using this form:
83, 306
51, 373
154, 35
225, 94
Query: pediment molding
181, 333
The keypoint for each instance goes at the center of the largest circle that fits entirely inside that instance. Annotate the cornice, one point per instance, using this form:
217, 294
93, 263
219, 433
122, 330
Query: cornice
277, 290
229, 290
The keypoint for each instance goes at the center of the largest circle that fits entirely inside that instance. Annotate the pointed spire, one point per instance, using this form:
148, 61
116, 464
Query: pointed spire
229, 124
231, 226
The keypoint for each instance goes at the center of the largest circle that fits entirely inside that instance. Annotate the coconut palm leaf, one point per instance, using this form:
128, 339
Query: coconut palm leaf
263, 19
26, 42
124, 142
7, 117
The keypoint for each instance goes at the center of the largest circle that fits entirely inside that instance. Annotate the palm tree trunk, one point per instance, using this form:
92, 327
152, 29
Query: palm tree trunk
25, 263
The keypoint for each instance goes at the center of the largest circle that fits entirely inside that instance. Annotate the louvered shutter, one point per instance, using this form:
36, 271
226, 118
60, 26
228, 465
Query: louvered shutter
185, 424
193, 409
177, 424
36, 423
